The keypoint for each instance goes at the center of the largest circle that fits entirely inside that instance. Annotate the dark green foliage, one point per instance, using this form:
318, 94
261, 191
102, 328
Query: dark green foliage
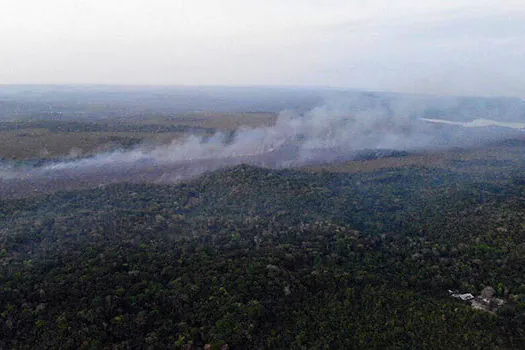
261, 258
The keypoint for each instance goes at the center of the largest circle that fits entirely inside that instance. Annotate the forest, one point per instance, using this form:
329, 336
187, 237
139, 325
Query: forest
252, 258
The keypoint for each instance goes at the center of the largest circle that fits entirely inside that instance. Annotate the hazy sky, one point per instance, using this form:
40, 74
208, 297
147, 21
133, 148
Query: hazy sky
469, 47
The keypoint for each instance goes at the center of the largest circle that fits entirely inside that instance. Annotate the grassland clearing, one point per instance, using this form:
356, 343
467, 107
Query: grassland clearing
47, 139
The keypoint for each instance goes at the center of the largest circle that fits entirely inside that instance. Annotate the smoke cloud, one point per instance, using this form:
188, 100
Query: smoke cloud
339, 130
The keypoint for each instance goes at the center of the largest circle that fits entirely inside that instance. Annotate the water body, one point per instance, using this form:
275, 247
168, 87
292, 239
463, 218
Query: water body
478, 123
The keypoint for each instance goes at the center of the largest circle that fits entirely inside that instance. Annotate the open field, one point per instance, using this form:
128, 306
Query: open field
47, 139
217, 121
44, 144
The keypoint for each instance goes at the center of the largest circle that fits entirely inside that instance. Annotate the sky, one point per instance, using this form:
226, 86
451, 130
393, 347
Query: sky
462, 47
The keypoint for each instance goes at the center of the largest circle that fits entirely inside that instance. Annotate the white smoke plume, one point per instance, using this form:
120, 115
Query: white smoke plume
336, 131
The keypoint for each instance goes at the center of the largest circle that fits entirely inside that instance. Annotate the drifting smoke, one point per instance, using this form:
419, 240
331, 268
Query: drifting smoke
337, 131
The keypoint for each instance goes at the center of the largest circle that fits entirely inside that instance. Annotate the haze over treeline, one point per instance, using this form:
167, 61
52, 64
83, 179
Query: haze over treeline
100, 101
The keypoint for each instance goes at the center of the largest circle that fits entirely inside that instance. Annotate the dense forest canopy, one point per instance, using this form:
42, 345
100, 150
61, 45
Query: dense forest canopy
262, 258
